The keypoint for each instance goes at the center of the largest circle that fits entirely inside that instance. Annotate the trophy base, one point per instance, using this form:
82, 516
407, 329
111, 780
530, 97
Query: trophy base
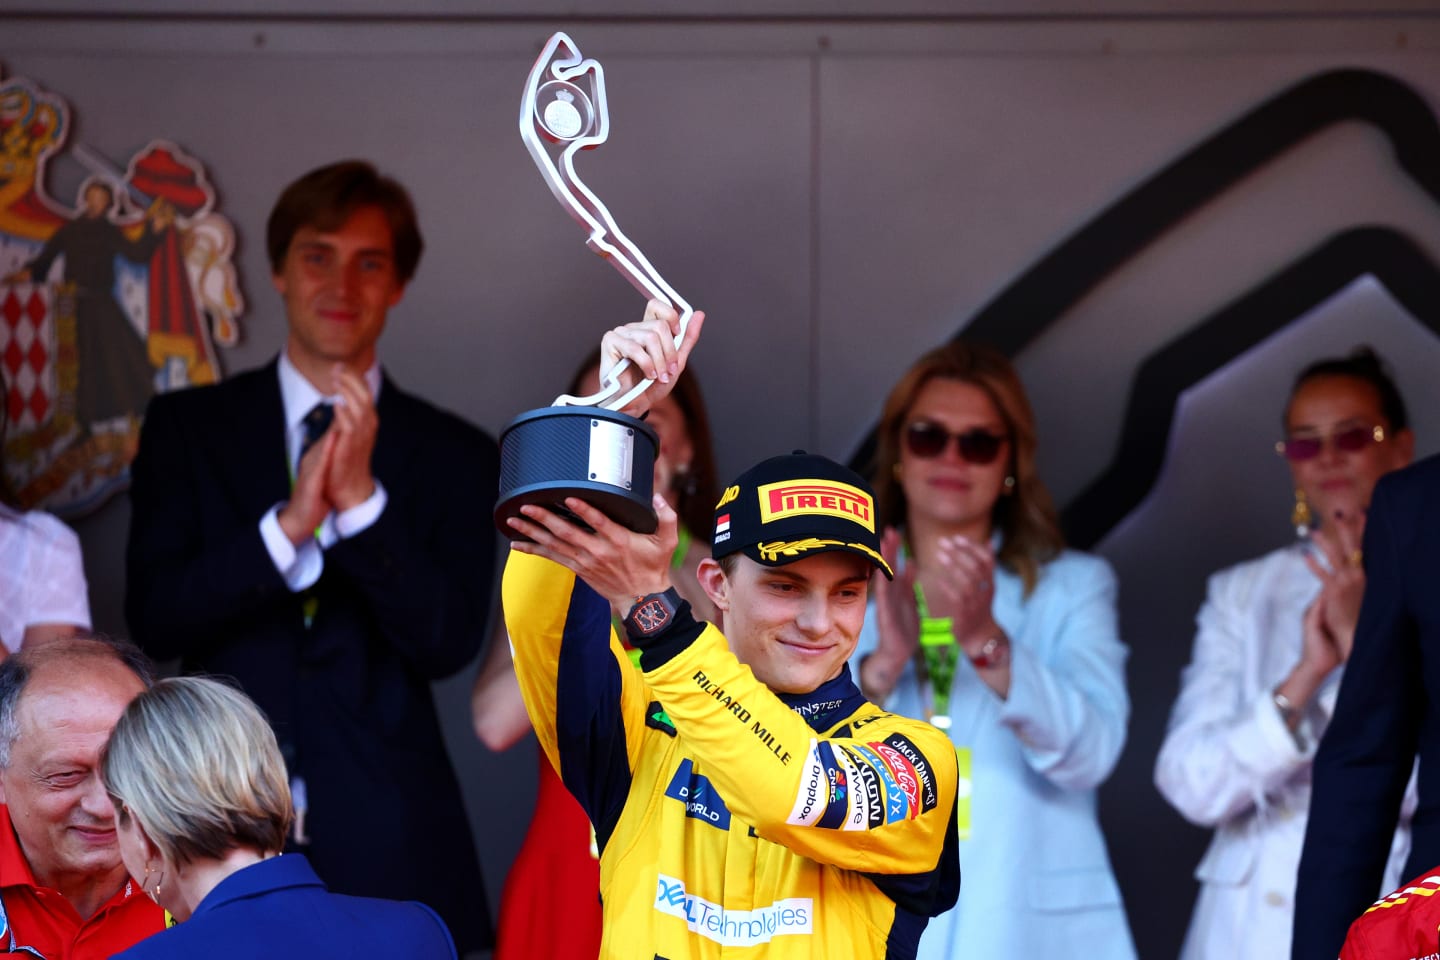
605, 458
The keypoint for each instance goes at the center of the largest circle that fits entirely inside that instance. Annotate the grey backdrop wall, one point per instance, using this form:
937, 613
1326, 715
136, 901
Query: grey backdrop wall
840, 187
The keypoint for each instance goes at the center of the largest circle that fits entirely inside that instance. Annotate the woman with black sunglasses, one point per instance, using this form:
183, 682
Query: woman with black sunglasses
995, 632
1273, 635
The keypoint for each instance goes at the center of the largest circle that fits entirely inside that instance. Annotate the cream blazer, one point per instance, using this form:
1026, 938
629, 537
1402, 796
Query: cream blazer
1228, 761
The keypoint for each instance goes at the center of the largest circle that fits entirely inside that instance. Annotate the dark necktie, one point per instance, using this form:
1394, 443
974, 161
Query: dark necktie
316, 422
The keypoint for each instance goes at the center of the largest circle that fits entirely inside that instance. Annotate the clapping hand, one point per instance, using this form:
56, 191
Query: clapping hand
961, 587
308, 504
334, 474
1342, 578
896, 616
897, 622
349, 481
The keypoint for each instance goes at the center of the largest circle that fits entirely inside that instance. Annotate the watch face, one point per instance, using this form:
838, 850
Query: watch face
651, 615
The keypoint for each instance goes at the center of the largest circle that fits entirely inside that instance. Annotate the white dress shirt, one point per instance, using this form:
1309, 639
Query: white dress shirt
301, 566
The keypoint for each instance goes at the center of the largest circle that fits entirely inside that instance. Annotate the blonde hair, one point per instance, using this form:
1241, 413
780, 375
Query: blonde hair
196, 763
1026, 517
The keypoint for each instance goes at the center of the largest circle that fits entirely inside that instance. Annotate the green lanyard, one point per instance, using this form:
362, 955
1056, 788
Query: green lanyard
940, 653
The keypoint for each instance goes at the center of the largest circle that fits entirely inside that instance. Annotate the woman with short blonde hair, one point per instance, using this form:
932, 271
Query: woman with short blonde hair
203, 808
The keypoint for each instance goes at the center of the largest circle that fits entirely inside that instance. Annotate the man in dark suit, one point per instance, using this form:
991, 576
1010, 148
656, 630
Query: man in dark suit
1388, 711
325, 538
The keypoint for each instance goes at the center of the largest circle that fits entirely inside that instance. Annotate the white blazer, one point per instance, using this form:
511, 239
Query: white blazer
1036, 879
1229, 762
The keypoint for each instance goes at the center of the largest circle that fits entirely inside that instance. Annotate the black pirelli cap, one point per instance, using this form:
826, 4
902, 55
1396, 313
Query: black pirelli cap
787, 508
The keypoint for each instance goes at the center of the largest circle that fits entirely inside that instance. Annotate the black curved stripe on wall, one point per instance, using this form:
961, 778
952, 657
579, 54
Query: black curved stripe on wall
1040, 296
1410, 276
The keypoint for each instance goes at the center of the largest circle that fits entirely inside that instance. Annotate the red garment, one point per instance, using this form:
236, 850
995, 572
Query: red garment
41, 918
555, 875
1403, 926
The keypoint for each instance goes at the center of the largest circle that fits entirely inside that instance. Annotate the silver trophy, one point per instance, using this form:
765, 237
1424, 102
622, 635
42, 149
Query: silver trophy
582, 446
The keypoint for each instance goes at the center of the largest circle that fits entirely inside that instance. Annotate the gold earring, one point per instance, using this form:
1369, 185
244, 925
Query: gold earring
1300, 517
152, 892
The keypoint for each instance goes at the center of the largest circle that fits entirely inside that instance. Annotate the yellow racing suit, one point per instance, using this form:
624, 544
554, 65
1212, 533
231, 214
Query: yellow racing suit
732, 821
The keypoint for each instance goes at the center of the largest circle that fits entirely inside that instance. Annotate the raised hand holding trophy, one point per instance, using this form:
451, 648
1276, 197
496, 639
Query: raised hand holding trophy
583, 446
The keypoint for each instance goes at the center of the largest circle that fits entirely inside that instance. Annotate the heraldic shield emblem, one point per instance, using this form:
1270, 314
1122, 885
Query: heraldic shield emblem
118, 294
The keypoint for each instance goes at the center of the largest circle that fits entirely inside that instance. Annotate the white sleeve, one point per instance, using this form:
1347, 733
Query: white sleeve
57, 589
1070, 707
299, 566
347, 523
1226, 748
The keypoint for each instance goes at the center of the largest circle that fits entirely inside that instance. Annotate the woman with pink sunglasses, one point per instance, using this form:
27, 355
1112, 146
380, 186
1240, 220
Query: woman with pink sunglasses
1273, 636
996, 633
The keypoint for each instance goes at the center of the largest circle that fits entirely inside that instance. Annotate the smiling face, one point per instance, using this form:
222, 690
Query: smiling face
338, 286
793, 625
61, 813
1334, 479
947, 490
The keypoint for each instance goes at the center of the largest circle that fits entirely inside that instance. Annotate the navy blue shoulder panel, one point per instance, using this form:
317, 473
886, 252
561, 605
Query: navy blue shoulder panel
589, 727
920, 896
932, 893
904, 940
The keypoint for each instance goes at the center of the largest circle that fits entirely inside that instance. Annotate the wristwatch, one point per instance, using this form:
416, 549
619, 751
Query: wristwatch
994, 652
652, 613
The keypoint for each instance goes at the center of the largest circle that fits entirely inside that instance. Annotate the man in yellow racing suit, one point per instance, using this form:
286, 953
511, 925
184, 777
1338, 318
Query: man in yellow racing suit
747, 800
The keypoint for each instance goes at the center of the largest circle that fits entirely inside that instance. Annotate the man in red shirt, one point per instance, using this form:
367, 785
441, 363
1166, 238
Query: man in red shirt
64, 892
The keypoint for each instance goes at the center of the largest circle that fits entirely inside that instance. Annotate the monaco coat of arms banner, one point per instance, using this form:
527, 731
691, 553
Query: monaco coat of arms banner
106, 297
